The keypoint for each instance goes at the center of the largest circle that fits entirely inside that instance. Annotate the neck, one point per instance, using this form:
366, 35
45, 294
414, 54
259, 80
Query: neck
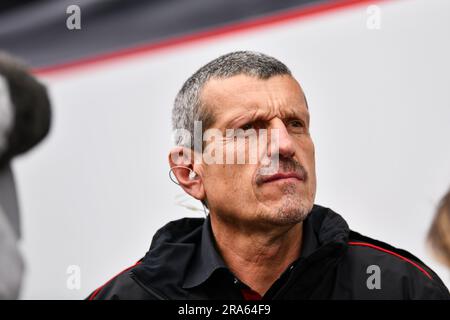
258, 258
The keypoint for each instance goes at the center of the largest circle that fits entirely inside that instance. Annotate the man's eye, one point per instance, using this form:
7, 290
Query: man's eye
296, 123
248, 126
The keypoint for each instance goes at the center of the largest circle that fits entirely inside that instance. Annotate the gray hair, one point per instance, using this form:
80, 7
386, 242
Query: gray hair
188, 107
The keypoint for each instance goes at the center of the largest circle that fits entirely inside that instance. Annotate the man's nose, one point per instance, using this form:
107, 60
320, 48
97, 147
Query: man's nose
279, 140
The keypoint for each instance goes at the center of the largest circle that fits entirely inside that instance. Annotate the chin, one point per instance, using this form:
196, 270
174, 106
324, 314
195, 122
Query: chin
289, 211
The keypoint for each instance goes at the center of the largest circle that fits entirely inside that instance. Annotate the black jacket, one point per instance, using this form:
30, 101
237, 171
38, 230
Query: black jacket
335, 263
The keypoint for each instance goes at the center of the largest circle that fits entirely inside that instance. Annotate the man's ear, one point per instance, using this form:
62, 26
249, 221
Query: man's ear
181, 162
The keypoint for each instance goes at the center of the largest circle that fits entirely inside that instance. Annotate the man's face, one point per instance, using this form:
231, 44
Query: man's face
240, 193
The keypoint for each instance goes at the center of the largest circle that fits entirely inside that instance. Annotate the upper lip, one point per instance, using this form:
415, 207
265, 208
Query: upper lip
282, 175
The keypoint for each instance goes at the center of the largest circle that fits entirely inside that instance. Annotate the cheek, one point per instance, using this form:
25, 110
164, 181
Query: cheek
306, 152
228, 184
311, 154
306, 156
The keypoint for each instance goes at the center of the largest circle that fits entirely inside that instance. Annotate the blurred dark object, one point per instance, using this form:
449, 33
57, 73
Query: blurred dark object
30, 109
24, 121
439, 233
36, 30
6, 5
25, 117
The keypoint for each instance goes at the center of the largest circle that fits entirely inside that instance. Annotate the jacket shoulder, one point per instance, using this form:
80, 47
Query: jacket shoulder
379, 270
121, 287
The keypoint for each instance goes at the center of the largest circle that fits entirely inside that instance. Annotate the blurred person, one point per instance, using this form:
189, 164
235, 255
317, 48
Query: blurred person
11, 264
264, 238
24, 122
439, 233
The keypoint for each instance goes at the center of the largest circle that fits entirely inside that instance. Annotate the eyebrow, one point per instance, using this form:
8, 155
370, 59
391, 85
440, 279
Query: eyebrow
245, 115
294, 113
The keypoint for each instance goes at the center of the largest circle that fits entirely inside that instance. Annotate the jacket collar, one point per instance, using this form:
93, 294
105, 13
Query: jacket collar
206, 259
183, 253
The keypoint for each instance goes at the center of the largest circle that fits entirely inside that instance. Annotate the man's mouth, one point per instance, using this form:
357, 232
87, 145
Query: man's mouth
282, 176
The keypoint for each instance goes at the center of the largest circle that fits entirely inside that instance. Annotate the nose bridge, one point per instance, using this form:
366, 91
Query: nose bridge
285, 145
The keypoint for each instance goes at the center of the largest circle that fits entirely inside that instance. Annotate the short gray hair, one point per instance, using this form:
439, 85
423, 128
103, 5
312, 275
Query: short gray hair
188, 108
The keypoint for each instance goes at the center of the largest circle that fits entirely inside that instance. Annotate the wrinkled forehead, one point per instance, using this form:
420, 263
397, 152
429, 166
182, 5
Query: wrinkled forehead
241, 95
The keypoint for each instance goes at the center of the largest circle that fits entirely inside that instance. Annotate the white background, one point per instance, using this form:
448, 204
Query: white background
97, 189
